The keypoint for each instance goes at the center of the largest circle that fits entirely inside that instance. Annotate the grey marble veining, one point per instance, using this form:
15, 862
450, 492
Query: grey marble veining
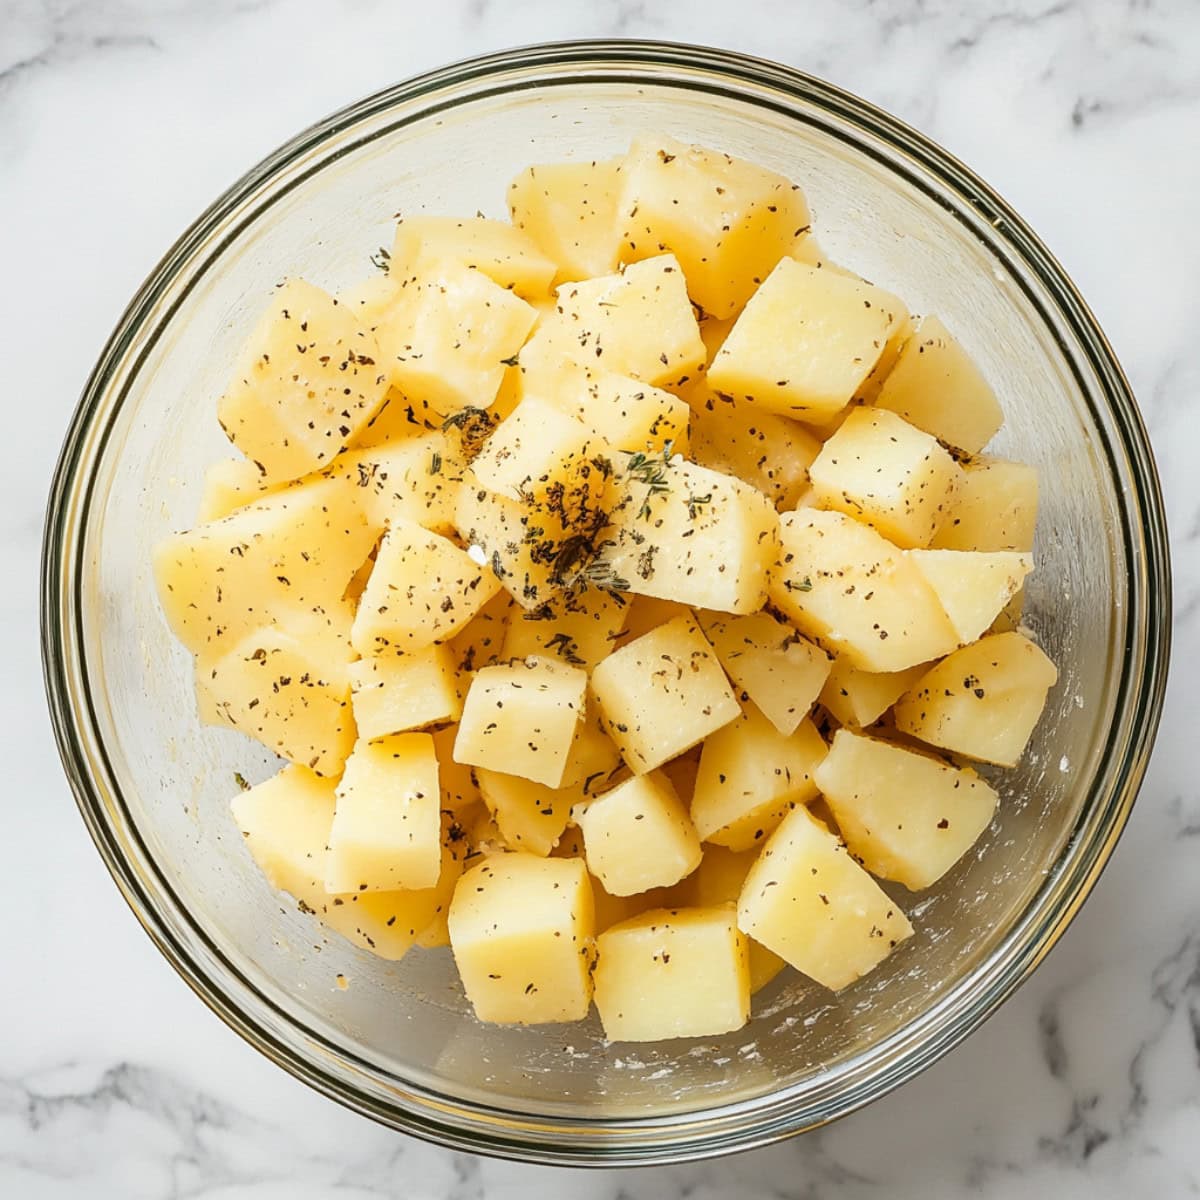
119, 120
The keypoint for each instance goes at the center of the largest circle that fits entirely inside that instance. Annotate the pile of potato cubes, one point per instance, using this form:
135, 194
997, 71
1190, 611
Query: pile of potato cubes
625, 589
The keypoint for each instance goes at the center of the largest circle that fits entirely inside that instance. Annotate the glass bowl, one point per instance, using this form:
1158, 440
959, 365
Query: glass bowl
399, 1043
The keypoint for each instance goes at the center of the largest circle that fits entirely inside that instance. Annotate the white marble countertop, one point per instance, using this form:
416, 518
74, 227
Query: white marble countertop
119, 121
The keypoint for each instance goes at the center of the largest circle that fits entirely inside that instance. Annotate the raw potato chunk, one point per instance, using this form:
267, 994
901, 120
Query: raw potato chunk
387, 825
229, 485
726, 220
778, 670
673, 973
521, 719
813, 905
523, 934
290, 693
903, 815
682, 532
663, 693
860, 698
935, 386
448, 336
308, 379
530, 816
888, 474
286, 823
507, 256
581, 628
394, 692
805, 342
982, 701
283, 559
639, 836
423, 589
855, 593
771, 453
570, 211
751, 776
972, 587
995, 508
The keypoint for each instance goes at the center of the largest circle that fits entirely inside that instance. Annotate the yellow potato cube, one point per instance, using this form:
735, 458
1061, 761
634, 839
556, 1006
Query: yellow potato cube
594, 762
971, 586
682, 532
570, 210
673, 973
852, 590
813, 905
682, 771
394, 692
460, 791
994, 508
530, 816
888, 474
638, 836
507, 256
581, 628
751, 776
860, 698
292, 693
935, 386
523, 934
370, 298
871, 386
521, 719
776, 668
771, 453
728, 221
449, 335
308, 379
903, 815
437, 933
662, 693
229, 485
647, 613
807, 250
423, 589
805, 342
982, 701
480, 643
387, 825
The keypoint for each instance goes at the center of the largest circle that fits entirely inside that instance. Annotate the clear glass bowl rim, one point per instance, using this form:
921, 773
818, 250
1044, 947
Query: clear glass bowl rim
653, 1138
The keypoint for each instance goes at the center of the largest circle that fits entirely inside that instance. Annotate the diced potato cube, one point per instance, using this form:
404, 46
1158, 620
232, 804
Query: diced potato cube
982, 701
399, 418
870, 387
647, 613
813, 905
682, 532
903, 815
995, 508
521, 719
229, 485
854, 592
395, 692
682, 771
594, 762
530, 816
437, 933
286, 823
308, 379
638, 836
728, 221
751, 776
805, 342
370, 298
807, 250
888, 474
292, 693
673, 973
460, 791
772, 453
638, 322
935, 386
480, 643
522, 932
780, 671
662, 693
581, 628
973, 587
570, 210
387, 826
423, 589
282, 559
860, 698
507, 256
447, 338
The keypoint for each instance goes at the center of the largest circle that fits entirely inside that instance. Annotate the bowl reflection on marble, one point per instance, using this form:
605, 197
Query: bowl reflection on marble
399, 1043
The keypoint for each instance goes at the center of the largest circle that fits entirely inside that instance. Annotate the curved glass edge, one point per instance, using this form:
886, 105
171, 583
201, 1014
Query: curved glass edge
741, 1125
